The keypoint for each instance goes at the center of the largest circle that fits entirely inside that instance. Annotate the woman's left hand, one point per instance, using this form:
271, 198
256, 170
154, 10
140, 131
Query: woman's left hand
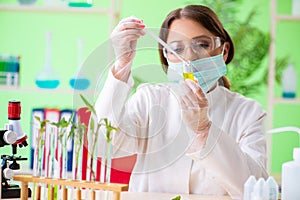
195, 109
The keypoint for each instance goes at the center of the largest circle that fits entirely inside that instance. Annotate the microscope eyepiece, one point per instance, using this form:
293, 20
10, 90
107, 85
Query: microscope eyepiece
14, 113
14, 110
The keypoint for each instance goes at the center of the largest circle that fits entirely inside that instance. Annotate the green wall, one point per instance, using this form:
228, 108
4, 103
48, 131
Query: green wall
23, 33
287, 41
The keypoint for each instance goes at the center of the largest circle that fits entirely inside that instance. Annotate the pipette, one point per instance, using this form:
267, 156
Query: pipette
160, 41
187, 69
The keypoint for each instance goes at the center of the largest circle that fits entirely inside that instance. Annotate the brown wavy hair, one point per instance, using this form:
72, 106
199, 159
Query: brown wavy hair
208, 19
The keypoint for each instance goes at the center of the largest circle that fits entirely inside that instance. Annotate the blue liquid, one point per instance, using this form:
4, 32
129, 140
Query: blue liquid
80, 4
47, 84
79, 83
289, 95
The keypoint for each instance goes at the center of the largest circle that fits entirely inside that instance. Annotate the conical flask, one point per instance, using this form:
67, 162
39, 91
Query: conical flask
47, 78
79, 82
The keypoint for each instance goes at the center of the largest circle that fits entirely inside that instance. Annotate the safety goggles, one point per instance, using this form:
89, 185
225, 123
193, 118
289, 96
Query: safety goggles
201, 46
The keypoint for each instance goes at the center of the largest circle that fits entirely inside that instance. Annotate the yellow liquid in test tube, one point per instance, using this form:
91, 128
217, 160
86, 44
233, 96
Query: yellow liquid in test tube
188, 75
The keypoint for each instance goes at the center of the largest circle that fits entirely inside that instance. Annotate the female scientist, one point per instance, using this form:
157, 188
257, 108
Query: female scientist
193, 136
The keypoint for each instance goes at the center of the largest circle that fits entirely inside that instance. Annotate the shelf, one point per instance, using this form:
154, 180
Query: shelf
288, 17
286, 100
112, 12
64, 9
66, 91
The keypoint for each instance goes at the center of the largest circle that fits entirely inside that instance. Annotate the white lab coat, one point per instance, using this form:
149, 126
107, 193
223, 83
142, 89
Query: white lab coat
169, 159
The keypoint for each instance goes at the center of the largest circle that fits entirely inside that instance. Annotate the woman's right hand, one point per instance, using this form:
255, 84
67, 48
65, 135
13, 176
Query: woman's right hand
124, 38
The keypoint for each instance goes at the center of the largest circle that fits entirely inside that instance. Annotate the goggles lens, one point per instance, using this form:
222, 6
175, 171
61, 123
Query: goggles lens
200, 46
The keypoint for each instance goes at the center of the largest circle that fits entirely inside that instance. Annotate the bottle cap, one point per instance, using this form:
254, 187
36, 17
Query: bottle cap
258, 190
271, 189
248, 187
250, 181
14, 110
296, 154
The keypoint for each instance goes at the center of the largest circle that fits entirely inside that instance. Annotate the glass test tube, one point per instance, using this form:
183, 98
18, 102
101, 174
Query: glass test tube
188, 72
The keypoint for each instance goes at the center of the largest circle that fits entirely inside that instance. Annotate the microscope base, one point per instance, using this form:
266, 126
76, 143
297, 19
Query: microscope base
13, 191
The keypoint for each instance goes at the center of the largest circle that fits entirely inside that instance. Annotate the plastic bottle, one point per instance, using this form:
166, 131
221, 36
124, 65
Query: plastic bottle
291, 177
271, 189
296, 7
248, 187
258, 190
289, 82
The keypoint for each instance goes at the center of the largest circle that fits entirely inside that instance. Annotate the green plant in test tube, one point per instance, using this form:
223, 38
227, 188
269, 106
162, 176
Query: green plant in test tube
76, 133
95, 128
38, 152
62, 127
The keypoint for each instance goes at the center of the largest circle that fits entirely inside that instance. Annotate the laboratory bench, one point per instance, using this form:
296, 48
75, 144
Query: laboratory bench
123, 194
164, 196
167, 196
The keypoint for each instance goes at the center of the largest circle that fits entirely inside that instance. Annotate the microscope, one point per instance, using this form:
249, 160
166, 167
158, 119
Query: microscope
12, 135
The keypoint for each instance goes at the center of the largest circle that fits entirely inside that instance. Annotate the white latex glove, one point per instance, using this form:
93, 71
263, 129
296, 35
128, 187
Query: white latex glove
124, 38
194, 105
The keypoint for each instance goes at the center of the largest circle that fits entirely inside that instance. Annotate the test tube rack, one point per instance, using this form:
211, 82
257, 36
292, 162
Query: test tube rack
114, 187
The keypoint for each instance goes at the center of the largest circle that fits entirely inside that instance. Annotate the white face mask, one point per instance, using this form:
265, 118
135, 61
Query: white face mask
206, 70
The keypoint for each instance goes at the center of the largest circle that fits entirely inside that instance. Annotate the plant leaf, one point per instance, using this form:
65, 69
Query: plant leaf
88, 105
177, 197
92, 124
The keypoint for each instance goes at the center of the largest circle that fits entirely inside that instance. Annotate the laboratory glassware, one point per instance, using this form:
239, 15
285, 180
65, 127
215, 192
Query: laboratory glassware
47, 78
79, 82
187, 71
